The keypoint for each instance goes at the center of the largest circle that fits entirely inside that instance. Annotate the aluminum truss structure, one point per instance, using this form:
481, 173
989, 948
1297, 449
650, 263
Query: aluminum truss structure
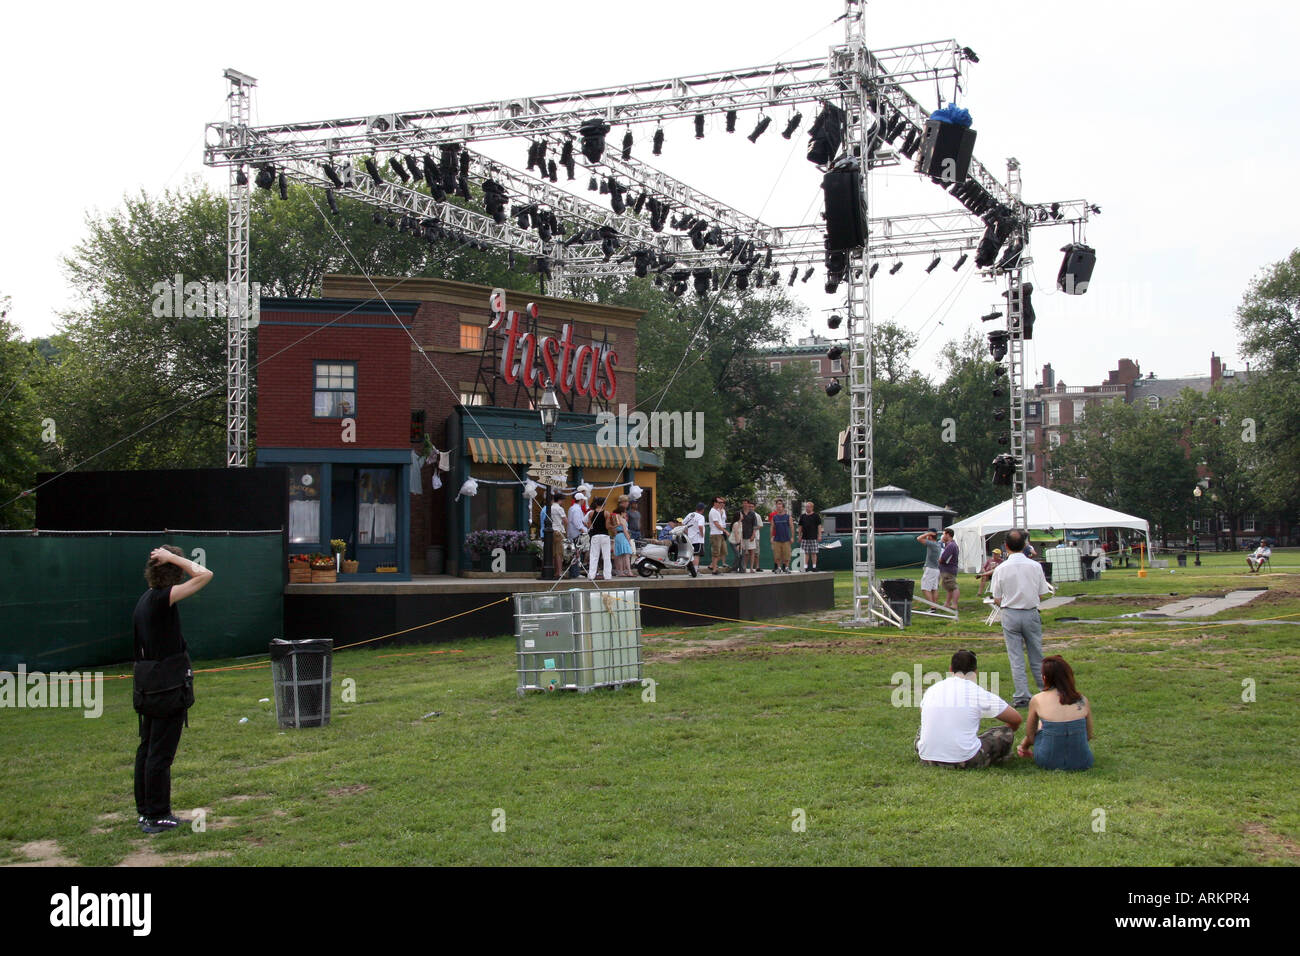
869, 85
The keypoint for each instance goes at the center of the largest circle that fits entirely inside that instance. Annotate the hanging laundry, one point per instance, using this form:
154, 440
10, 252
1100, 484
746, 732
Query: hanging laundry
414, 484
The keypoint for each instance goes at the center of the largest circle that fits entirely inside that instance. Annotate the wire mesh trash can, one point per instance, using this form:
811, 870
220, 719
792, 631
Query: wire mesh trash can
578, 639
302, 673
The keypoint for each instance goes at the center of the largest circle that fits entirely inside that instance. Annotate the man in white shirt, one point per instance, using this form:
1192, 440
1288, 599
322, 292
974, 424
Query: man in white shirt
556, 521
950, 720
1257, 557
718, 533
576, 525
1018, 583
694, 524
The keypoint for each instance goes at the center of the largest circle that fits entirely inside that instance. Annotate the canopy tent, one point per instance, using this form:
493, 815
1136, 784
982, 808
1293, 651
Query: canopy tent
1044, 509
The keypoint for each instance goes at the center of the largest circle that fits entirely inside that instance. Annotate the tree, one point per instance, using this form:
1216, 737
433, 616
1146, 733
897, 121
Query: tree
1226, 445
21, 423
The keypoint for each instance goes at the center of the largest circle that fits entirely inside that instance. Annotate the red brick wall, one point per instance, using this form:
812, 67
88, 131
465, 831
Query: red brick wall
285, 381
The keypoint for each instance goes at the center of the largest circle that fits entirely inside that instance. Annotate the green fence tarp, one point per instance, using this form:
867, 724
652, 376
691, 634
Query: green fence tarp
893, 551
66, 600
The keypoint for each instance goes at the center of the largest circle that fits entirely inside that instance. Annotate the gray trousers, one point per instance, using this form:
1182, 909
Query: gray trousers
1022, 629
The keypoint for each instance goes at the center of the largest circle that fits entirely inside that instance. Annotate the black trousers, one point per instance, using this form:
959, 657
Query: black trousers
159, 738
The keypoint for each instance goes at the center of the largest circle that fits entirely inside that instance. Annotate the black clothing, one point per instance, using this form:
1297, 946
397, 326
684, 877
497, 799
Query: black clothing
809, 524
598, 523
748, 525
157, 625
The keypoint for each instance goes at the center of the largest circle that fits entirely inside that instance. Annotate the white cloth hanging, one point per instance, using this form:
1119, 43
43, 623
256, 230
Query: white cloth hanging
444, 461
414, 485
437, 481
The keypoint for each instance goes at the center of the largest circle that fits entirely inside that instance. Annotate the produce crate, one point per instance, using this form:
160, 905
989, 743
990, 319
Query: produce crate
299, 573
323, 577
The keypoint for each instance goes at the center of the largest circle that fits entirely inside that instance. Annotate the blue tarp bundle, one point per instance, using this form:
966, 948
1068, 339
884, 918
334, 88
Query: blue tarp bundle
952, 113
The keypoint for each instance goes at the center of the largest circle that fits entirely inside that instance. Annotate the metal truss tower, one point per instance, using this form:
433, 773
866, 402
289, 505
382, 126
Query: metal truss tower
1016, 362
237, 298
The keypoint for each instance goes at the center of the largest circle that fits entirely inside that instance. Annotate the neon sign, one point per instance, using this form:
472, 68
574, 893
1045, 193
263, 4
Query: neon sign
536, 360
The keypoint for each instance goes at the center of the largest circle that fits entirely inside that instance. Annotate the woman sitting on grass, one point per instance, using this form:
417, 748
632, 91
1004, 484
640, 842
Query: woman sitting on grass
1061, 718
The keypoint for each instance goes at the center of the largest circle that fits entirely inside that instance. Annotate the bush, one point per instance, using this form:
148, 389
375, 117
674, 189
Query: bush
480, 543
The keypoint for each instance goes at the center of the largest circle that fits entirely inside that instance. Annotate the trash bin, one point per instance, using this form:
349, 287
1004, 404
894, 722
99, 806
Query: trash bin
897, 589
903, 608
1182, 559
302, 673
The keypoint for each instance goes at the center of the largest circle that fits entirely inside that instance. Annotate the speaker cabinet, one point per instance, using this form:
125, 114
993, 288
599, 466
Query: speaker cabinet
846, 220
946, 151
1076, 268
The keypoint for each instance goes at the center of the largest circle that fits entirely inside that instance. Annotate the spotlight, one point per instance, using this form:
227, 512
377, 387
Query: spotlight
1004, 468
593, 134
552, 173
699, 126
373, 170
969, 54
998, 345
833, 388
241, 177
999, 371
834, 321
808, 275
701, 277
627, 145
794, 274
834, 352
1056, 211
566, 157
592, 184
763, 123
960, 262
265, 176
893, 270
284, 186
934, 264
731, 121
991, 316
378, 217
999, 415
396, 165
413, 166
333, 204
791, 126
872, 273
333, 175
658, 142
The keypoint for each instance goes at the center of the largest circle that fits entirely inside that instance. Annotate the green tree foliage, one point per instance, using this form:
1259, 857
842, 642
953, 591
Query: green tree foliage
1226, 443
21, 423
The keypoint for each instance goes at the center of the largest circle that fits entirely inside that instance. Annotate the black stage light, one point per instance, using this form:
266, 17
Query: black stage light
333, 204
640, 201
998, 344
763, 123
960, 262
872, 273
791, 126
413, 165
592, 185
593, 134
834, 352
532, 155
998, 393
834, 321
893, 270
702, 278
552, 173
794, 274
767, 259
284, 186
378, 217
241, 177
934, 264
396, 165
808, 274
999, 414
833, 388
542, 266
404, 223
731, 121
627, 145
991, 316
699, 126
390, 222
969, 54
999, 371
566, 158
373, 170
1004, 469
447, 165
658, 147
714, 236
1075, 272
742, 279
333, 175
1056, 211
265, 176
616, 197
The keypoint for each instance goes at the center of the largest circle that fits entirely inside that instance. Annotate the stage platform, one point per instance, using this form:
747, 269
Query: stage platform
351, 612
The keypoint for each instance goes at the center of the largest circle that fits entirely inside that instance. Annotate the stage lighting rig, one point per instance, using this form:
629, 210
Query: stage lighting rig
241, 177
808, 275
396, 166
566, 158
833, 388
834, 321
998, 345
593, 133
699, 126
265, 176
834, 352
333, 175
960, 262
760, 128
934, 264
658, 142
331, 201
895, 267
871, 273
373, 170
284, 185
731, 121
791, 126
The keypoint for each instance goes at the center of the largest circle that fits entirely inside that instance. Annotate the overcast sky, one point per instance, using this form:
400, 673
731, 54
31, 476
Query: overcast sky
1175, 122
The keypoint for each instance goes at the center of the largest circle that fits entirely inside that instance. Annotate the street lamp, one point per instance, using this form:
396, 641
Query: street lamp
549, 408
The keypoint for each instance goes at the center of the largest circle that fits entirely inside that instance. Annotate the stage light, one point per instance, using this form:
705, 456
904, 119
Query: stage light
592, 185
969, 54
640, 201
333, 175
794, 274
413, 166
627, 145
832, 282
999, 415
284, 186
991, 316
791, 126
767, 259
874, 266
373, 170
960, 262
378, 217
658, 147
934, 264
333, 204
834, 352
542, 266
833, 388
742, 279
1004, 469
396, 165
834, 321
999, 371
447, 165
593, 134
552, 173
566, 158
895, 267
241, 177
699, 126
808, 275
998, 344
731, 121
763, 123
265, 176
702, 277
603, 188
998, 393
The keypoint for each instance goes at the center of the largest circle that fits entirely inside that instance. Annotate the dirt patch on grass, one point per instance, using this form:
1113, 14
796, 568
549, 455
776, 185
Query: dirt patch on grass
349, 790
146, 855
676, 650
1267, 844
42, 853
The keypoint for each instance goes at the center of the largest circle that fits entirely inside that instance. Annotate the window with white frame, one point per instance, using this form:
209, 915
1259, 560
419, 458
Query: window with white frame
1031, 464
1053, 413
1031, 435
1224, 524
1080, 409
335, 393
837, 366
816, 366
1153, 401
471, 398
1053, 439
774, 366
1248, 523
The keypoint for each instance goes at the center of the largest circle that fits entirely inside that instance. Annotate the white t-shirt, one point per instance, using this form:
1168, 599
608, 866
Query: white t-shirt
694, 527
950, 719
577, 520
557, 517
717, 521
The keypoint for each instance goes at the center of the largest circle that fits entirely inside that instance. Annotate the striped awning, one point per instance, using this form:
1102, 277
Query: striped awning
517, 451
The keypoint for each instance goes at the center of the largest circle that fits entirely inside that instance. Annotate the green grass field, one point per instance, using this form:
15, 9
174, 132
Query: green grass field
750, 726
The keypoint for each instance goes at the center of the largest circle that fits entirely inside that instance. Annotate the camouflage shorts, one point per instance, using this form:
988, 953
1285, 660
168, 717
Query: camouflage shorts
995, 745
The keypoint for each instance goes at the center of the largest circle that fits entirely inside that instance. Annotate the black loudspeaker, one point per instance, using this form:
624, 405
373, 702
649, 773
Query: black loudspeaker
846, 220
946, 150
1076, 268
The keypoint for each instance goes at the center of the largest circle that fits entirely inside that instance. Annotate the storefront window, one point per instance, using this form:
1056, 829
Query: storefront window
376, 506
494, 505
304, 504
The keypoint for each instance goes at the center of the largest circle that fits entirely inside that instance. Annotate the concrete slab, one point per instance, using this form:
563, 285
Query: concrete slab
1205, 606
1055, 602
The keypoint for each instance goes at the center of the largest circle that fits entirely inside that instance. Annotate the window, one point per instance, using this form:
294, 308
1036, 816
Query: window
1034, 410
1248, 523
471, 398
1153, 401
1224, 524
1031, 463
1054, 439
816, 366
471, 336
1053, 413
336, 390
1080, 408
774, 366
304, 505
837, 366
377, 506
1031, 435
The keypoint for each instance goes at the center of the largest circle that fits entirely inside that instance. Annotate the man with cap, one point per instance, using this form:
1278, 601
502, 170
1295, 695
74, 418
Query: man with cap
986, 572
695, 524
577, 524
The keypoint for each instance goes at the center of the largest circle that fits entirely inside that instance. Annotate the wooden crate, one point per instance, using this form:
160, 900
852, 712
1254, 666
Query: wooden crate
299, 574
324, 577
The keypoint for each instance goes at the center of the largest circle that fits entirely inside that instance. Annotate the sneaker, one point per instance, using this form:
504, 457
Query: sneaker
169, 822
1020, 704
151, 826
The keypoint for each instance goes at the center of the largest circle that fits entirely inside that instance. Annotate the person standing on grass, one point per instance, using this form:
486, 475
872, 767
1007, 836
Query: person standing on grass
163, 680
1018, 584
930, 569
810, 536
948, 569
950, 720
782, 535
718, 535
1060, 719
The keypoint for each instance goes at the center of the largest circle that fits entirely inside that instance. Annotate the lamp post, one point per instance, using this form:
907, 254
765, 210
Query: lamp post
549, 408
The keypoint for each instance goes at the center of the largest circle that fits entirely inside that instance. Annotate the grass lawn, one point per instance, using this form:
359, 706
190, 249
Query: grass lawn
749, 726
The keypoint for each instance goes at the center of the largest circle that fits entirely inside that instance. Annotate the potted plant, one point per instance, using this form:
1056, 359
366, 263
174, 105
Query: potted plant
521, 554
338, 546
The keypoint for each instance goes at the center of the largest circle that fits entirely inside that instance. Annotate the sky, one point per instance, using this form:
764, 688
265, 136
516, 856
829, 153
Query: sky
1172, 120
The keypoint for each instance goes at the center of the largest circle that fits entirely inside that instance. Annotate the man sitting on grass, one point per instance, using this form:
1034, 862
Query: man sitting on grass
950, 721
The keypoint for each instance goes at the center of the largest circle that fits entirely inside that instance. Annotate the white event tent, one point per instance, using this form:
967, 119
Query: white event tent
1045, 509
